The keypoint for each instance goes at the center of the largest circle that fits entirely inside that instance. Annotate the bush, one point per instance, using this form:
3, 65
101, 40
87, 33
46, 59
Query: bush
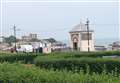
17, 73
84, 54
94, 64
28, 57
15, 57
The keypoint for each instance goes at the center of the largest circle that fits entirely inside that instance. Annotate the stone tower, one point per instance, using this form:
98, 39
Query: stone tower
79, 39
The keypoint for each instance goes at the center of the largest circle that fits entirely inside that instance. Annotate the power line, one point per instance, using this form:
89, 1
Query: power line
63, 29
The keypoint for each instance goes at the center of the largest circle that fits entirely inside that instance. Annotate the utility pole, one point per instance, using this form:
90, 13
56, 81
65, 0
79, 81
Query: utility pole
14, 29
87, 24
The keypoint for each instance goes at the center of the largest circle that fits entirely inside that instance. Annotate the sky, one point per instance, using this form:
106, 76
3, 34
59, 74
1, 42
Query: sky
56, 19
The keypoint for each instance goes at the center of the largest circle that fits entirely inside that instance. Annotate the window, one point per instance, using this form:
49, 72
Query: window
84, 36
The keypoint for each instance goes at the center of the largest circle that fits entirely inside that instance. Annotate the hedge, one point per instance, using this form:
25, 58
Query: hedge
28, 57
94, 64
18, 73
84, 54
15, 57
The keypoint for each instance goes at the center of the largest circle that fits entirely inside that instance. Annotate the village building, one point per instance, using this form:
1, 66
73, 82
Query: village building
100, 48
4, 46
41, 45
46, 46
29, 37
58, 46
79, 38
114, 46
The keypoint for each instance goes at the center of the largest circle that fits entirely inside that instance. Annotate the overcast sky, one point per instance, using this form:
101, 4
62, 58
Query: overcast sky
56, 19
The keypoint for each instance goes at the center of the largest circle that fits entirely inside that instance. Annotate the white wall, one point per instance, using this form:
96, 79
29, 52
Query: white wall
83, 44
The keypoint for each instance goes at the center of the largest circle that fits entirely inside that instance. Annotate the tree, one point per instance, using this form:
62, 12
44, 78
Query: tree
51, 40
35, 40
11, 39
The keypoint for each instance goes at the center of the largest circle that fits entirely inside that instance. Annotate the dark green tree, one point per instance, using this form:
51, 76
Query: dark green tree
51, 40
11, 39
35, 40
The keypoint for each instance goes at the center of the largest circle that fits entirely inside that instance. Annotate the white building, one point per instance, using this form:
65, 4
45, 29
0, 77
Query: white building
25, 48
41, 46
46, 47
58, 46
100, 48
79, 39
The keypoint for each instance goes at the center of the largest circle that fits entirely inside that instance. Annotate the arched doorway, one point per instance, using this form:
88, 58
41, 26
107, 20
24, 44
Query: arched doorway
75, 45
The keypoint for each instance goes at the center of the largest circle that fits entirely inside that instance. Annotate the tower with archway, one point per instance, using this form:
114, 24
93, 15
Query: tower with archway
81, 38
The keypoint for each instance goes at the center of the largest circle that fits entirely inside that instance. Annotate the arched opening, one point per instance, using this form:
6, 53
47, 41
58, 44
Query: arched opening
75, 45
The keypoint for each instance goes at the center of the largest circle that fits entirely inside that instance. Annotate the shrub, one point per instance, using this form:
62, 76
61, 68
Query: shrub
28, 57
95, 64
15, 57
84, 54
18, 73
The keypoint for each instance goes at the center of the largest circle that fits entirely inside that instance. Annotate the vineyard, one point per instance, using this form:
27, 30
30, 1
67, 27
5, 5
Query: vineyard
68, 67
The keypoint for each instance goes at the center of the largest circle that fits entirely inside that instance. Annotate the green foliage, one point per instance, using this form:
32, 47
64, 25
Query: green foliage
51, 40
68, 67
68, 60
84, 54
15, 57
9, 40
12, 57
95, 64
18, 73
35, 40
